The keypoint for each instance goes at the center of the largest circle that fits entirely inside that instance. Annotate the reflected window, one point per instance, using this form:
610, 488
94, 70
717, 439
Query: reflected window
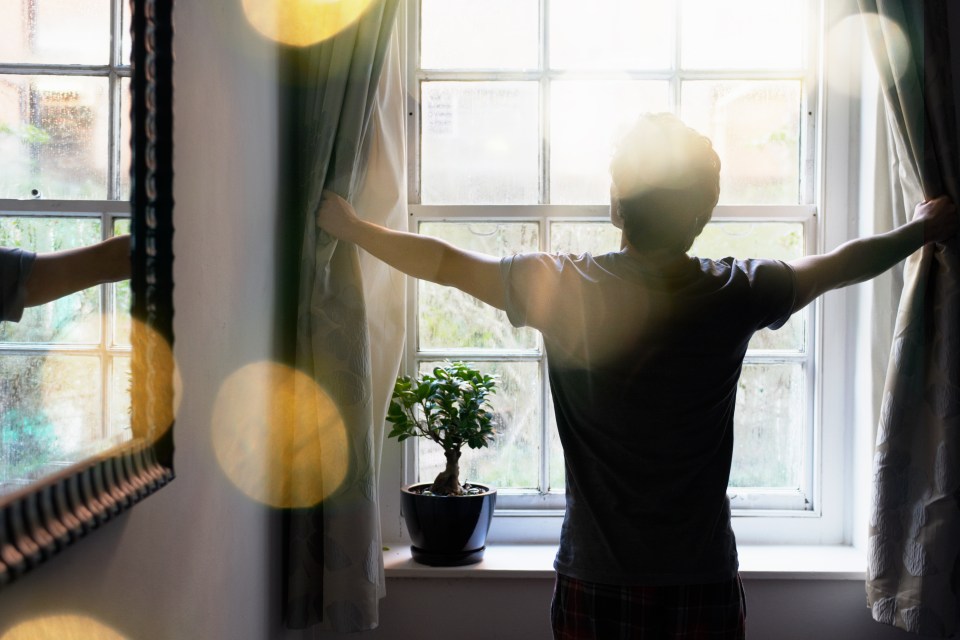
511, 154
64, 183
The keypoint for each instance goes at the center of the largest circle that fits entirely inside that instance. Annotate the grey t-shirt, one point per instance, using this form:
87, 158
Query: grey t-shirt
643, 368
15, 266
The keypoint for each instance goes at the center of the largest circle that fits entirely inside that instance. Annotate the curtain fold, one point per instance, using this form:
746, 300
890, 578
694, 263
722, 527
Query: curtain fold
914, 530
332, 550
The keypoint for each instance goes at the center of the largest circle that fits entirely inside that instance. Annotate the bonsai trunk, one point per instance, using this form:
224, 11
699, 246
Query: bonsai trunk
447, 482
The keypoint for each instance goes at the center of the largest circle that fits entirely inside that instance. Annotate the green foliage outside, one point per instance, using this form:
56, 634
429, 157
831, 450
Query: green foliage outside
32, 427
27, 437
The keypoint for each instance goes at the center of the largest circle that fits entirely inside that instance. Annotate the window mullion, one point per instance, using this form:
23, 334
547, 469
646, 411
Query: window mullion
94, 70
113, 113
113, 135
545, 398
544, 81
106, 311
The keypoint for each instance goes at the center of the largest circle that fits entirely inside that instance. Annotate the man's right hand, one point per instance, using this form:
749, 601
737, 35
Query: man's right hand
335, 215
939, 217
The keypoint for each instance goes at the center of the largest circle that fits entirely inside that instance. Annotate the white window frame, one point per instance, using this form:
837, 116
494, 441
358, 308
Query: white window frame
830, 196
116, 207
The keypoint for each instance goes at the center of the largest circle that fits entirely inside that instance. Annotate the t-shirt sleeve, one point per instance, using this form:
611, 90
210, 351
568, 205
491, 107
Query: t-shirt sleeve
15, 266
532, 285
774, 288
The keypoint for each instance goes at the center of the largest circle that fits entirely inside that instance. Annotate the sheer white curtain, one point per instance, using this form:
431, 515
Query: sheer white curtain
383, 199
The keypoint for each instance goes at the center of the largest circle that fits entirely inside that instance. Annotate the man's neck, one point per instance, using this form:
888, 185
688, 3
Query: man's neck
657, 259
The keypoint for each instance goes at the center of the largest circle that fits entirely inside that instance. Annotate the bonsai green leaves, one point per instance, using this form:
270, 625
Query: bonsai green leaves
450, 406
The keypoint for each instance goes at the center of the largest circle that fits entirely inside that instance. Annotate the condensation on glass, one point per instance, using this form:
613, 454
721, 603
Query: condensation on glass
54, 136
450, 319
769, 441
55, 32
64, 137
480, 143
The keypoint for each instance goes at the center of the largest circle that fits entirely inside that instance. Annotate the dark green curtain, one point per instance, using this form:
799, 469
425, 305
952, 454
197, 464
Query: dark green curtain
913, 577
332, 551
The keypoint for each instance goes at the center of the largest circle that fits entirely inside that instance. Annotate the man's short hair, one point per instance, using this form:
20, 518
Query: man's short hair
666, 177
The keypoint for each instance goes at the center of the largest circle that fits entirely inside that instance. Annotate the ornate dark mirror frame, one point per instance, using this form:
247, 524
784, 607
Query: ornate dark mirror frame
45, 517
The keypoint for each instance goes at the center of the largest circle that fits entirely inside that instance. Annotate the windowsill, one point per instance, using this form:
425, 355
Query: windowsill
533, 561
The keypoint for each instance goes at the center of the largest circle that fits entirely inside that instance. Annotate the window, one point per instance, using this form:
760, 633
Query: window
64, 183
519, 103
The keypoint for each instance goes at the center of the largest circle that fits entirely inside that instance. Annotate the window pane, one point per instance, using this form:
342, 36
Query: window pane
49, 410
611, 34
742, 34
594, 238
53, 137
513, 459
55, 31
558, 471
126, 39
450, 319
579, 154
755, 128
72, 319
480, 143
457, 34
119, 401
768, 429
776, 240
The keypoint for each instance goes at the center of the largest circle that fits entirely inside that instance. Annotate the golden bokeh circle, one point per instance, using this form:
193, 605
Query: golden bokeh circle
301, 23
278, 436
62, 627
853, 29
70, 384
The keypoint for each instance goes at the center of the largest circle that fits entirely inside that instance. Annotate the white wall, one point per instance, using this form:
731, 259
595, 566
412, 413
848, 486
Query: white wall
195, 560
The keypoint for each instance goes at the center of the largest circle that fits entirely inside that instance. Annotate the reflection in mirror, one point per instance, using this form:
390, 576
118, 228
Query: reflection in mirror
85, 182
64, 181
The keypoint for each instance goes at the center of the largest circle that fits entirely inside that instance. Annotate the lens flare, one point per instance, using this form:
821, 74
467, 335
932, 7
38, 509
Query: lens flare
278, 436
870, 26
154, 408
300, 23
71, 393
61, 627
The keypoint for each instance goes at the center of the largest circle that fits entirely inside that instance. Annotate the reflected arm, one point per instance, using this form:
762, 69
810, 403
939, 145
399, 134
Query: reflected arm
421, 257
61, 273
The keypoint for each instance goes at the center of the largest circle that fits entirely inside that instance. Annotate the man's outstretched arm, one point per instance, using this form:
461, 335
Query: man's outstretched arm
419, 256
865, 258
61, 273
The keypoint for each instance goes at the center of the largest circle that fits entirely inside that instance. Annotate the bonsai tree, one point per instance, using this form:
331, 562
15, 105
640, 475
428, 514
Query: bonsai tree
450, 407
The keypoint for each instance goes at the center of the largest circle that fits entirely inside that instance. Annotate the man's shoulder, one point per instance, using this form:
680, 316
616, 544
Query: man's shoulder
749, 268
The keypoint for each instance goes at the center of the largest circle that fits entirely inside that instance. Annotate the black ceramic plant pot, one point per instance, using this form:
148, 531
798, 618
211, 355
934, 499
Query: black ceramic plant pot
447, 531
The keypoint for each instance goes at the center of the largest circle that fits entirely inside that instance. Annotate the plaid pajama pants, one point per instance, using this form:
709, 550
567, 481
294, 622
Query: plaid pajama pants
586, 610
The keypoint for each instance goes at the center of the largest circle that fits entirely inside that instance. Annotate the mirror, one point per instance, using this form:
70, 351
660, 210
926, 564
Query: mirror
86, 381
